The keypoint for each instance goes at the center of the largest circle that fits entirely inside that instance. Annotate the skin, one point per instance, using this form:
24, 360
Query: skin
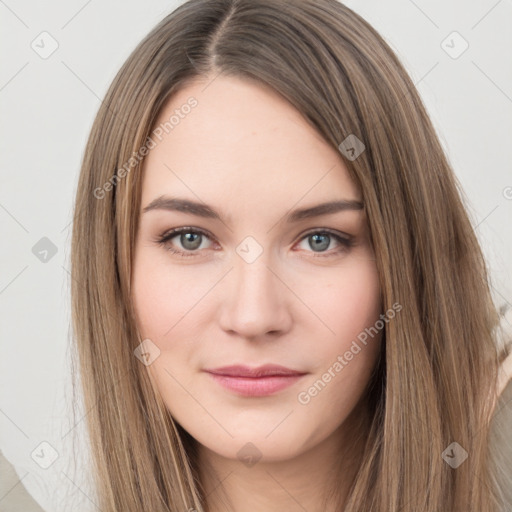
250, 155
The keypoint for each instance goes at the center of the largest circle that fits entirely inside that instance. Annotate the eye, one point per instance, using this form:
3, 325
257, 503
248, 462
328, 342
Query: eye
190, 239
320, 241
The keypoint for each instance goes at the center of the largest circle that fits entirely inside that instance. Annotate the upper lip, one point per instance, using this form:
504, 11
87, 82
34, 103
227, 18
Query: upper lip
259, 371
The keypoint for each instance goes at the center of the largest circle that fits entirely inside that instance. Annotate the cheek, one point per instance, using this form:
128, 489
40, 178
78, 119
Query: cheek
350, 305
163, 297
346, 300
152, 301
350, 302
163, 302
346, 357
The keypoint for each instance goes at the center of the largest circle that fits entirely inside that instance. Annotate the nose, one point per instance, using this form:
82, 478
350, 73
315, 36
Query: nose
255, 303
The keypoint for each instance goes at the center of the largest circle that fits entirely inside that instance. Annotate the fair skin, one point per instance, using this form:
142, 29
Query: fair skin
249, 155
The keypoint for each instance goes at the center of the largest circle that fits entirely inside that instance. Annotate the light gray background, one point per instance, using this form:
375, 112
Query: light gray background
47, 108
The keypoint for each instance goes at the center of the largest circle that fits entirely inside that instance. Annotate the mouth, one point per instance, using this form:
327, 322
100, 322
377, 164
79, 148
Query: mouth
260, 381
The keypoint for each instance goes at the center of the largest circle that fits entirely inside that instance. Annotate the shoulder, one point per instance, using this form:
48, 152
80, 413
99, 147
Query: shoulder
505, 373
501, 424
505, 348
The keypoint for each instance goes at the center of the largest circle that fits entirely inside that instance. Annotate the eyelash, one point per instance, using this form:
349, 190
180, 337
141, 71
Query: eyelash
163, 240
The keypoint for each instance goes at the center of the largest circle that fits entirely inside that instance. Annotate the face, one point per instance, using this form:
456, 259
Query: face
248, 279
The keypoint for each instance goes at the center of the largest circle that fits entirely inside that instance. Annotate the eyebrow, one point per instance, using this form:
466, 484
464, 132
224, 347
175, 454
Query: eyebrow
206, 211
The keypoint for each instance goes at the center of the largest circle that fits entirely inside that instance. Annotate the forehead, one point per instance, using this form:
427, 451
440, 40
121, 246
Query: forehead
244, 144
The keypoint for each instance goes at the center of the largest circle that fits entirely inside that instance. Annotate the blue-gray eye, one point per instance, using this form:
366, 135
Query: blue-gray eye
191, 239
319, 242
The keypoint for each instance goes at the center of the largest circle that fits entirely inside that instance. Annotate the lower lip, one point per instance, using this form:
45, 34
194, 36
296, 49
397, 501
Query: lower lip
256, 386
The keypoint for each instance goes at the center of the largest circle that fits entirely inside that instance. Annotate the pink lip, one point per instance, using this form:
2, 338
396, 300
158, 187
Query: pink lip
260, 381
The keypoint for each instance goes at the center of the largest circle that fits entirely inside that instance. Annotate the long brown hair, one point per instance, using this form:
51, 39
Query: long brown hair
436, 378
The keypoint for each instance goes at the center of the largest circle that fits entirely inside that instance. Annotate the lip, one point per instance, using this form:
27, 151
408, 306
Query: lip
265, 370
260, 381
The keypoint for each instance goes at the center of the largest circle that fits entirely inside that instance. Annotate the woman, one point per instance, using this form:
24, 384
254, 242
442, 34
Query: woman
278, 299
